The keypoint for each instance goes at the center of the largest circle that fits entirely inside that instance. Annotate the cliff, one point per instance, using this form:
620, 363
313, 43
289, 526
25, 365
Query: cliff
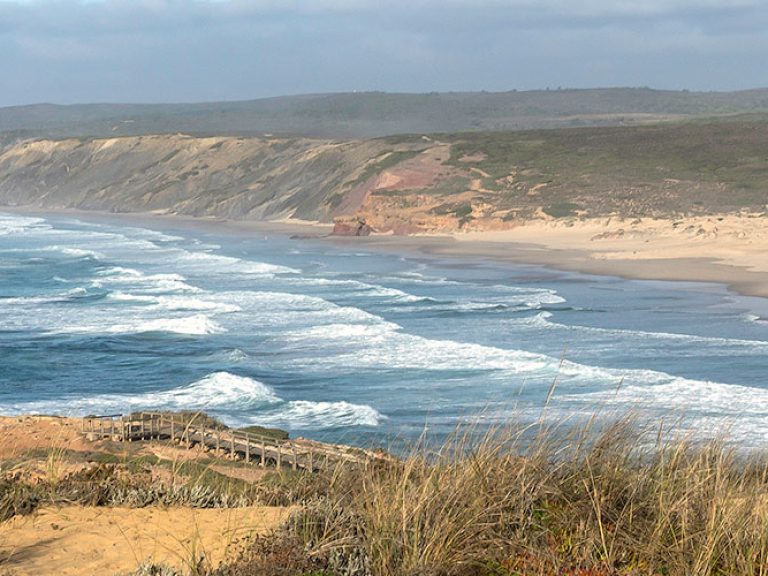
239, 178
404, 184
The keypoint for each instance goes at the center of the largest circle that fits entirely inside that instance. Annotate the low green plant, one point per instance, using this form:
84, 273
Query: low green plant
561, 209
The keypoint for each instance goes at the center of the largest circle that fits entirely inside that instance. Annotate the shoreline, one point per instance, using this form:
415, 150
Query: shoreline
702, 269
727, 250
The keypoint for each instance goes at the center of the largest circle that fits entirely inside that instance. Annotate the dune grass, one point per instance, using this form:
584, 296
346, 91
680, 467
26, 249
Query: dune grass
616, 499
611, 502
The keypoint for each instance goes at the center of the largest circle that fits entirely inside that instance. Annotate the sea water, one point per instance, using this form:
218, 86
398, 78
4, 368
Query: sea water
344, 344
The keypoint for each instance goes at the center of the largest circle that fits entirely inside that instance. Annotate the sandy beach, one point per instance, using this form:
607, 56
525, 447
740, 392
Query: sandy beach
729, 249
726, 249
76, 540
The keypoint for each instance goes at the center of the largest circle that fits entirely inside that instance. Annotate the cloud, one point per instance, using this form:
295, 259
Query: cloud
171, 50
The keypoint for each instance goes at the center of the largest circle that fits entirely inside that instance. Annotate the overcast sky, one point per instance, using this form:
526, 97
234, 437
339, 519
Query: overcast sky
67, 51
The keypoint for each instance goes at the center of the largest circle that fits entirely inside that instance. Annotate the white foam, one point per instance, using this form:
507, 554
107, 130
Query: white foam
383, 345
372, 333
219, 264
362, 288
78, 252
174, 303
514, 297
197, 325
13, 224
303, 414
712, 342
48, 299
31, 300
705, 409
223, 391
663, 392
754, 319
143, 283
290, 312
120, 271
236, 355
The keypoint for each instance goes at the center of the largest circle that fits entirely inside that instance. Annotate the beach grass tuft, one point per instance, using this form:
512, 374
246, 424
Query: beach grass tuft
517, 501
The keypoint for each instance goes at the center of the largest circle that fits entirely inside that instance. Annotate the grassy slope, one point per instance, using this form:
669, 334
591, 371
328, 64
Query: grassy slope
663, 169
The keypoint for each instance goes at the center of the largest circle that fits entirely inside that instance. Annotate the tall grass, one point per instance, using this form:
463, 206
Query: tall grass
600, 500
517, 501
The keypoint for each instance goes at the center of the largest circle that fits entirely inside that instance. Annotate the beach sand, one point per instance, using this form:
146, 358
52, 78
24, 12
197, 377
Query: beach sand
730, 249
74, 540
726, 249
21, 434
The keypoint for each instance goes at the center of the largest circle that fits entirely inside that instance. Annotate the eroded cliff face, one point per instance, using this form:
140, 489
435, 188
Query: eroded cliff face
382, 183
239, 178
405, 184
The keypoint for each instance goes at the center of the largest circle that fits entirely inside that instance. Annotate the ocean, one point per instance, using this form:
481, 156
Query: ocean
345, 344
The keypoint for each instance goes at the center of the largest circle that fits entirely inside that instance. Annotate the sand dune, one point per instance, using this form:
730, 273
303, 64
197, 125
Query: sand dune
82, 541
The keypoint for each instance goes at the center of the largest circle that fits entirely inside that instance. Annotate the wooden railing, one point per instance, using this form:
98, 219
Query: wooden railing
222, 441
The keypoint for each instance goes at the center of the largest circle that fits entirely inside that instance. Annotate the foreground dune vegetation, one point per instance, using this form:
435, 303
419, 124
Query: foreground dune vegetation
591, 503
619, 500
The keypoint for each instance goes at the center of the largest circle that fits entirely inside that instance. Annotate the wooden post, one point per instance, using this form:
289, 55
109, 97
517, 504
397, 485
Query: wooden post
279, 457
173, 431
141, 427
295, 463
232, 444
311, 460
263, 462
247, 447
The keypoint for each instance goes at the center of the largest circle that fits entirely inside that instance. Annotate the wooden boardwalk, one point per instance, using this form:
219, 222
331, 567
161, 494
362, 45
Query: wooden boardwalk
193, 431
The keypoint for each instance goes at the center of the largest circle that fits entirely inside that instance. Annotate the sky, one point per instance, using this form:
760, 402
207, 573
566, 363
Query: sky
74, 51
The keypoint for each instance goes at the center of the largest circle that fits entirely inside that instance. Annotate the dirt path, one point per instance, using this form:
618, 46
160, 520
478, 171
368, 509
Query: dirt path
77, 541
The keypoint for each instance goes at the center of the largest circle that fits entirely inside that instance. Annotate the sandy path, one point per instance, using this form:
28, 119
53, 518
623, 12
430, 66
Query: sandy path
75, 540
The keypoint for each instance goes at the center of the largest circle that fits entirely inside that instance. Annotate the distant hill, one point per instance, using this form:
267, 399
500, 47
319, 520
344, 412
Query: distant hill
374, 114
